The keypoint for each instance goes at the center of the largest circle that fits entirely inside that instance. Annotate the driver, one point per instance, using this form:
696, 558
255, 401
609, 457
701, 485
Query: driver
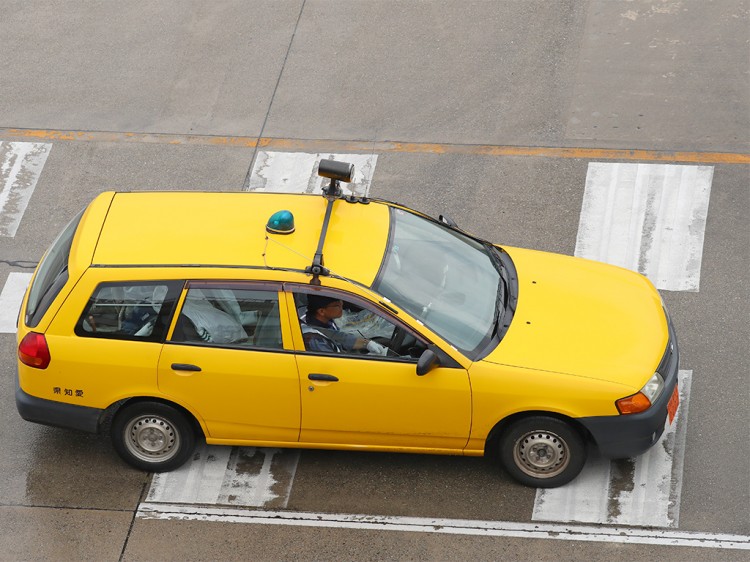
320, 332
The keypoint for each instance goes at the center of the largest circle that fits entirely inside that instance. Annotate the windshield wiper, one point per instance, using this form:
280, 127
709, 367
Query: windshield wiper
503, 289
497, 261
501, 300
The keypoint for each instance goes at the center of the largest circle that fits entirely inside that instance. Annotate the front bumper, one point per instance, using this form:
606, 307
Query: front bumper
626, 436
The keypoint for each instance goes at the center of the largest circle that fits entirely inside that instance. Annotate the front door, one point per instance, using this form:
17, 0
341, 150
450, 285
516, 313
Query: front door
361, 387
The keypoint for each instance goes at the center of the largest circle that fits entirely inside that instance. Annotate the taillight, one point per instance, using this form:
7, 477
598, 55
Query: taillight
33, 351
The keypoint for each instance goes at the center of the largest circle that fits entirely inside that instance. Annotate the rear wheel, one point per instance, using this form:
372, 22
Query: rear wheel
542, 451
152, 436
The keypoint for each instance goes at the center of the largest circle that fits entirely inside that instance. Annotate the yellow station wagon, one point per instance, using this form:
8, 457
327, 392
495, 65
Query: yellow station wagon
337, 322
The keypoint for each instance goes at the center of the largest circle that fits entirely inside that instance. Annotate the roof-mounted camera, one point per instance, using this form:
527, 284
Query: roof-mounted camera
336, 172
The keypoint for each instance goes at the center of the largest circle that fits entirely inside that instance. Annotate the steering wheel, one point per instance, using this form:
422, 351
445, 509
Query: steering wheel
397, 339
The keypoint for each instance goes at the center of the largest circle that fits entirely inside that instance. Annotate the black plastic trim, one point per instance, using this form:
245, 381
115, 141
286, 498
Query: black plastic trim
32, 321
509, 312
57, 414
322, 377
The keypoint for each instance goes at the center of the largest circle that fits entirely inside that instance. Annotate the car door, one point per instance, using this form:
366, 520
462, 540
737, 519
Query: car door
357, 397
228, 359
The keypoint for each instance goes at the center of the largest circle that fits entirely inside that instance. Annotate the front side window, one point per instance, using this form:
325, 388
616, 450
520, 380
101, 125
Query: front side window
230, 316
135, 311
337, 324
442, 277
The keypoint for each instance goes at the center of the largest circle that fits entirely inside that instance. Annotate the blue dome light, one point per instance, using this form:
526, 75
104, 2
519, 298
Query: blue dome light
281, 222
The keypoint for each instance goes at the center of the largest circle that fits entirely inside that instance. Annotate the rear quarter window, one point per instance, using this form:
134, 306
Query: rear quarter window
130, 311
51, 274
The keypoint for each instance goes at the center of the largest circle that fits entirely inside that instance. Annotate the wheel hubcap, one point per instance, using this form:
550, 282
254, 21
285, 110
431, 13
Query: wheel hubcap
152, 438
541, 454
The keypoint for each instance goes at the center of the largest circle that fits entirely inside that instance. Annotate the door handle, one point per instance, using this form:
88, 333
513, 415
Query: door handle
322, 377
185, 367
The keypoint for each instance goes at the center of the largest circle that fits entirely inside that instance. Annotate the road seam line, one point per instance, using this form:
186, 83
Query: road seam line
246, 183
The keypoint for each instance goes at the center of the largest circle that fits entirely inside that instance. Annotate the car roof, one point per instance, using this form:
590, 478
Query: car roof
227, 229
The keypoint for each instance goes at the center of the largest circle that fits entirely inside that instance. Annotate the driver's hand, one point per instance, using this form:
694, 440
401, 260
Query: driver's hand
376, 349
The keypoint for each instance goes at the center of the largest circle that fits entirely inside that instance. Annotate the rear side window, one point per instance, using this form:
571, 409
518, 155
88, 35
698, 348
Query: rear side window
234, 317
51, 275
131, 311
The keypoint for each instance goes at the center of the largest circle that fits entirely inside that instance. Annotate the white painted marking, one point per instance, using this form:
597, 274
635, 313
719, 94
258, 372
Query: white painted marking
648, 494
622, 535
576, 502
238, 476
21, 164
297, 172
649, 218
10, 300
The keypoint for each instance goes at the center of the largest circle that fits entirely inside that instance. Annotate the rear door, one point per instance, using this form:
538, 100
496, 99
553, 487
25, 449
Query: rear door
230, 361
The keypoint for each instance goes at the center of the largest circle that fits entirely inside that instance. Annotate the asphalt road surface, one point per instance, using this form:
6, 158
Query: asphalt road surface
510, 116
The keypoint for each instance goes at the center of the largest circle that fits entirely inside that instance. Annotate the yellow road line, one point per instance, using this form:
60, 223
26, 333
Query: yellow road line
324, 145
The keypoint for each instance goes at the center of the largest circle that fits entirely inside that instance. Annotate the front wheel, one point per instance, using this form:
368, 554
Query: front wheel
152, 436
542, 451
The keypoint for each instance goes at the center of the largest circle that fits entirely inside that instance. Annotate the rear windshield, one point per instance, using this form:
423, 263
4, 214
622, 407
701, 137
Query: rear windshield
51, 275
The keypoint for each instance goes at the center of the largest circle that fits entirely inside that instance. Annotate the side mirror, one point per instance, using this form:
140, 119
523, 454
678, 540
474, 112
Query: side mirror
447, 221
426, 362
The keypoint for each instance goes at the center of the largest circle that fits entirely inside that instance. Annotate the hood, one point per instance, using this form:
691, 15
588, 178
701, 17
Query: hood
583, 318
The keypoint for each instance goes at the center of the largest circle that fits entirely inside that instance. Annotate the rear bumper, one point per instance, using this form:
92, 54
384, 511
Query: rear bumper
58, 414
630, 435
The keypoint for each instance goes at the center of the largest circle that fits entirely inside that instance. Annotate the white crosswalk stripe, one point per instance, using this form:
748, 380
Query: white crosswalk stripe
649, 218
10, 300
297, 172
21, 165
233, 476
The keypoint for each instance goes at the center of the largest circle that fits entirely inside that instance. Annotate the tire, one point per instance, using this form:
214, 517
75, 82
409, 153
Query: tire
152, 436
542, 452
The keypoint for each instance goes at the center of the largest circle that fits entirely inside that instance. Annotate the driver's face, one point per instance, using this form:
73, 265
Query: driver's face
332, 310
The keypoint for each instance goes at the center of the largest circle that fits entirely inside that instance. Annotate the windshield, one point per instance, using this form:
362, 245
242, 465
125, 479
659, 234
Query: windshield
443, 278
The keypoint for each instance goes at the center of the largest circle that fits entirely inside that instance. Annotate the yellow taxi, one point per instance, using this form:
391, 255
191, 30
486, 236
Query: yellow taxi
337, 322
